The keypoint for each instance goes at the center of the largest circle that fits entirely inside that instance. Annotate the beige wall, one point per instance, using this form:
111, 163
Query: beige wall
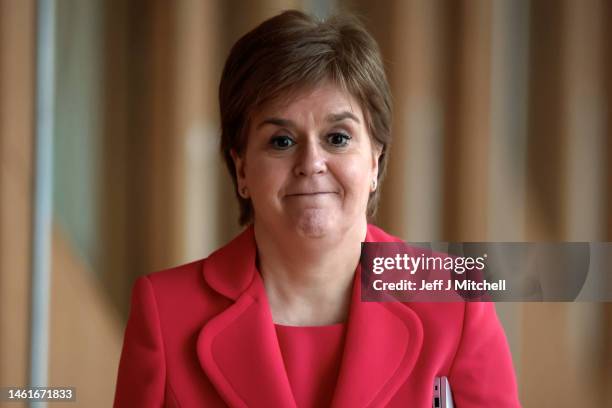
16, 129
86, 330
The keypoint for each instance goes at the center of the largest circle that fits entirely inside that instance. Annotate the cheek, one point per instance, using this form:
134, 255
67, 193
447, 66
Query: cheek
356, 176
264, 175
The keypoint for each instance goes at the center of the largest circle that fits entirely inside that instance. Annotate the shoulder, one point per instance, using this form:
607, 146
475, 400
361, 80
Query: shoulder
178, 273
178, 278
226, 272
377, 234
178, 288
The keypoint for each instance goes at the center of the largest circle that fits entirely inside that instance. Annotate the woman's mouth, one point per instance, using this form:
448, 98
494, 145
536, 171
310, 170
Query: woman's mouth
311, 194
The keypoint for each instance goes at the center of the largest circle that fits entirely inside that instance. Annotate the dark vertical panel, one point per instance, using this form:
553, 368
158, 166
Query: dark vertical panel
116, 240
607, 308
545, 144
453, 22
607, 52
160, 165
140, 92
467, 136
138, 150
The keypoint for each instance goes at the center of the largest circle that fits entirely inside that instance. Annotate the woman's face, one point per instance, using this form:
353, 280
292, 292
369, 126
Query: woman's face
309, 163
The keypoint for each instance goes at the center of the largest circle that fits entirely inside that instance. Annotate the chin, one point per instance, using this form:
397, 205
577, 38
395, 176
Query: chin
316, 223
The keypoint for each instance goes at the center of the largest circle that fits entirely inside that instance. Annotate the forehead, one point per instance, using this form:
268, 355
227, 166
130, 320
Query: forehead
324, 98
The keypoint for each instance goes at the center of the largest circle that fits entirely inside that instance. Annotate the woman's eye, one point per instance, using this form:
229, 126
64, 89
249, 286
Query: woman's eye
338, 139
281, 142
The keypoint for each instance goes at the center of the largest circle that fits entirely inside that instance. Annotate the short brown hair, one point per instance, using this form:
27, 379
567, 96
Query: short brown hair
293, 50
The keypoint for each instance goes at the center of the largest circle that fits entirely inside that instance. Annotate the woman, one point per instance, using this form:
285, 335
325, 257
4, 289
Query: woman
274, 318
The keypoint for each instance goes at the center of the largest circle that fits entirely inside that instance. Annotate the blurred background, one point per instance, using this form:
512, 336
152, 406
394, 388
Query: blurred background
502, 133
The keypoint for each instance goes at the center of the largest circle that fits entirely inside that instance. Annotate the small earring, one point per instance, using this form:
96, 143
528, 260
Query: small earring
374, 183
244, 192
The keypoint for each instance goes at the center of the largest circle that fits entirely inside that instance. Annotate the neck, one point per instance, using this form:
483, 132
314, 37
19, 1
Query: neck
308, 281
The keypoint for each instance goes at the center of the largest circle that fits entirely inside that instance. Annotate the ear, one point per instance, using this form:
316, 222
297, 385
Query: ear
376, 152
239, 165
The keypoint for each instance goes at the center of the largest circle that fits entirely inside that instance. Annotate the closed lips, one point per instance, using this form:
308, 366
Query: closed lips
311, 193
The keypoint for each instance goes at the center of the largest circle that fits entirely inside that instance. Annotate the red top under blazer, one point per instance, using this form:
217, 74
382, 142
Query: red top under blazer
202, 335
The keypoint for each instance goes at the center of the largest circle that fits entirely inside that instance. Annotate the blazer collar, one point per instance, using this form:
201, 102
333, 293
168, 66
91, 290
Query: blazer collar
230, 270
239, 351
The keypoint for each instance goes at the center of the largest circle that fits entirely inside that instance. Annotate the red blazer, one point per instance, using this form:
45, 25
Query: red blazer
202, 335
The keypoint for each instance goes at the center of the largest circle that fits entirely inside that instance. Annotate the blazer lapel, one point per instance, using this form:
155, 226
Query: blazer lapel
383, 342
238, 348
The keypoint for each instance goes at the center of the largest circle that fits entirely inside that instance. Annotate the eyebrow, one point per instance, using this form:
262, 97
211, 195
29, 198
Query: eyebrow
339, 117
331, 118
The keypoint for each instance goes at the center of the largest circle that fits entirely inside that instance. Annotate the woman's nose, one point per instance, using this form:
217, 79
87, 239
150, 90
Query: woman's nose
310, 160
